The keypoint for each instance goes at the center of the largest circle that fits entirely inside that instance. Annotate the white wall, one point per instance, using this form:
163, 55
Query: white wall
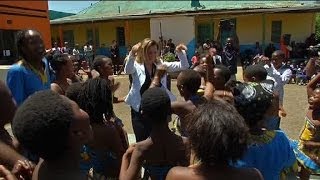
3, 72
181, 29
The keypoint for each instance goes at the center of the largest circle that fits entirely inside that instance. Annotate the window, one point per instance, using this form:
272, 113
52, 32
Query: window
89, 35
205, 31
121, 36
68, 37
276, 31
96, 33
228, 28
93, 38
8, 47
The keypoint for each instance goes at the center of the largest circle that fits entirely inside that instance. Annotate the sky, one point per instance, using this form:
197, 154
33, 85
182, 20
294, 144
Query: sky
69, 6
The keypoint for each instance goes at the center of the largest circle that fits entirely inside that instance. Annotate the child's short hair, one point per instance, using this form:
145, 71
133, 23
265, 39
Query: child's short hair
95, 98
155, 102
73, 91
42, 124
58, 61
190, 79
217, 133
252, 100
257, 71
99, 61
225, 72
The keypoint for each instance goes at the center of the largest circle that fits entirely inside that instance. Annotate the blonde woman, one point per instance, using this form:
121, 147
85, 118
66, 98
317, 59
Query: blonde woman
141, 65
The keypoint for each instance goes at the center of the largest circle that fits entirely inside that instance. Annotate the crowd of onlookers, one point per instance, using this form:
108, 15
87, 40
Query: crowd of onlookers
64, 126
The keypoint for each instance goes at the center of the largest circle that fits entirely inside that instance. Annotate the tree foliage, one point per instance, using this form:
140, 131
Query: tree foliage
318, 26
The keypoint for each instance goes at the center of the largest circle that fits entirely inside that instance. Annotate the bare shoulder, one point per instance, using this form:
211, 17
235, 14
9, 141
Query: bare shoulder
56, 88
183, 173
250, 174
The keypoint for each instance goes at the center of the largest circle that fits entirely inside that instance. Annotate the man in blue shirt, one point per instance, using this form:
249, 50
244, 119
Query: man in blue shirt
31, 73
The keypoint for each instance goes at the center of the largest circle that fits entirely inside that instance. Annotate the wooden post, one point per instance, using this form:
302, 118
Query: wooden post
94, 35
127, 32
263, 31
61, 36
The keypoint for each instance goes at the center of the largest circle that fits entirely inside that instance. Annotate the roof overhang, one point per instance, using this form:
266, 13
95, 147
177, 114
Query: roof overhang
190, 13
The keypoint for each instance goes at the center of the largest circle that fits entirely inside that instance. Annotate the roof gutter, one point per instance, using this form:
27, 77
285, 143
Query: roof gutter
192, 13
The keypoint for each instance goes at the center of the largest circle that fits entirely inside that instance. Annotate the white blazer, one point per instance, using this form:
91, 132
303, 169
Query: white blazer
138, 74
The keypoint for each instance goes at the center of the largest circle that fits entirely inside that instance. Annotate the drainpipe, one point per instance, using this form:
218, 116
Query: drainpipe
94, 37
312, 30
263, 31
127, 32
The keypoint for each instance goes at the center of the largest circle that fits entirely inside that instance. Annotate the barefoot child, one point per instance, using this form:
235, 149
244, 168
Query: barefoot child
163, 149
188, 83
54, 130
218, 135
104, 152
310, 133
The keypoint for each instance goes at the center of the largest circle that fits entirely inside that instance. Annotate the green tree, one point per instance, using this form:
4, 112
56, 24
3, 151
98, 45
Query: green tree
318, 27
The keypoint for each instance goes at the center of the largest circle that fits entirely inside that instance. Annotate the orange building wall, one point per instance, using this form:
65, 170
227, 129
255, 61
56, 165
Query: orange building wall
26, 15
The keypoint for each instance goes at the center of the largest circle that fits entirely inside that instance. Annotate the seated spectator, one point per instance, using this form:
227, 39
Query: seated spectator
53, 129
195, 60
293, 69
218, 136
301, 76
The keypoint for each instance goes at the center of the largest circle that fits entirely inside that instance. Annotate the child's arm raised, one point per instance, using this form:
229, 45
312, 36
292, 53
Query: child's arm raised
312, 85
131, 164
8, 156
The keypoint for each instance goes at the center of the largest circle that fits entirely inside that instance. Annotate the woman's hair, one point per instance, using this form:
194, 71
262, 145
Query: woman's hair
142, 52
58, 61
217, 133
99, 61
95, 98
74, 90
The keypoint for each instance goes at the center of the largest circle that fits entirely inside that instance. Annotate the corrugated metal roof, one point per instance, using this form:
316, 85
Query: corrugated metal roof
106, 10
57, 14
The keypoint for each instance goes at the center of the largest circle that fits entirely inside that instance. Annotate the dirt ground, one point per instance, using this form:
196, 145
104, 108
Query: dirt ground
295, 104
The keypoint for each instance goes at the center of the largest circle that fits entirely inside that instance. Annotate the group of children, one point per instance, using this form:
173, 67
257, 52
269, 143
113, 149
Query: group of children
72, 132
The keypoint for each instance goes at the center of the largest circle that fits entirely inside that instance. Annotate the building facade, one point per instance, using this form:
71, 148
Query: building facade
186, 23
18, 15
